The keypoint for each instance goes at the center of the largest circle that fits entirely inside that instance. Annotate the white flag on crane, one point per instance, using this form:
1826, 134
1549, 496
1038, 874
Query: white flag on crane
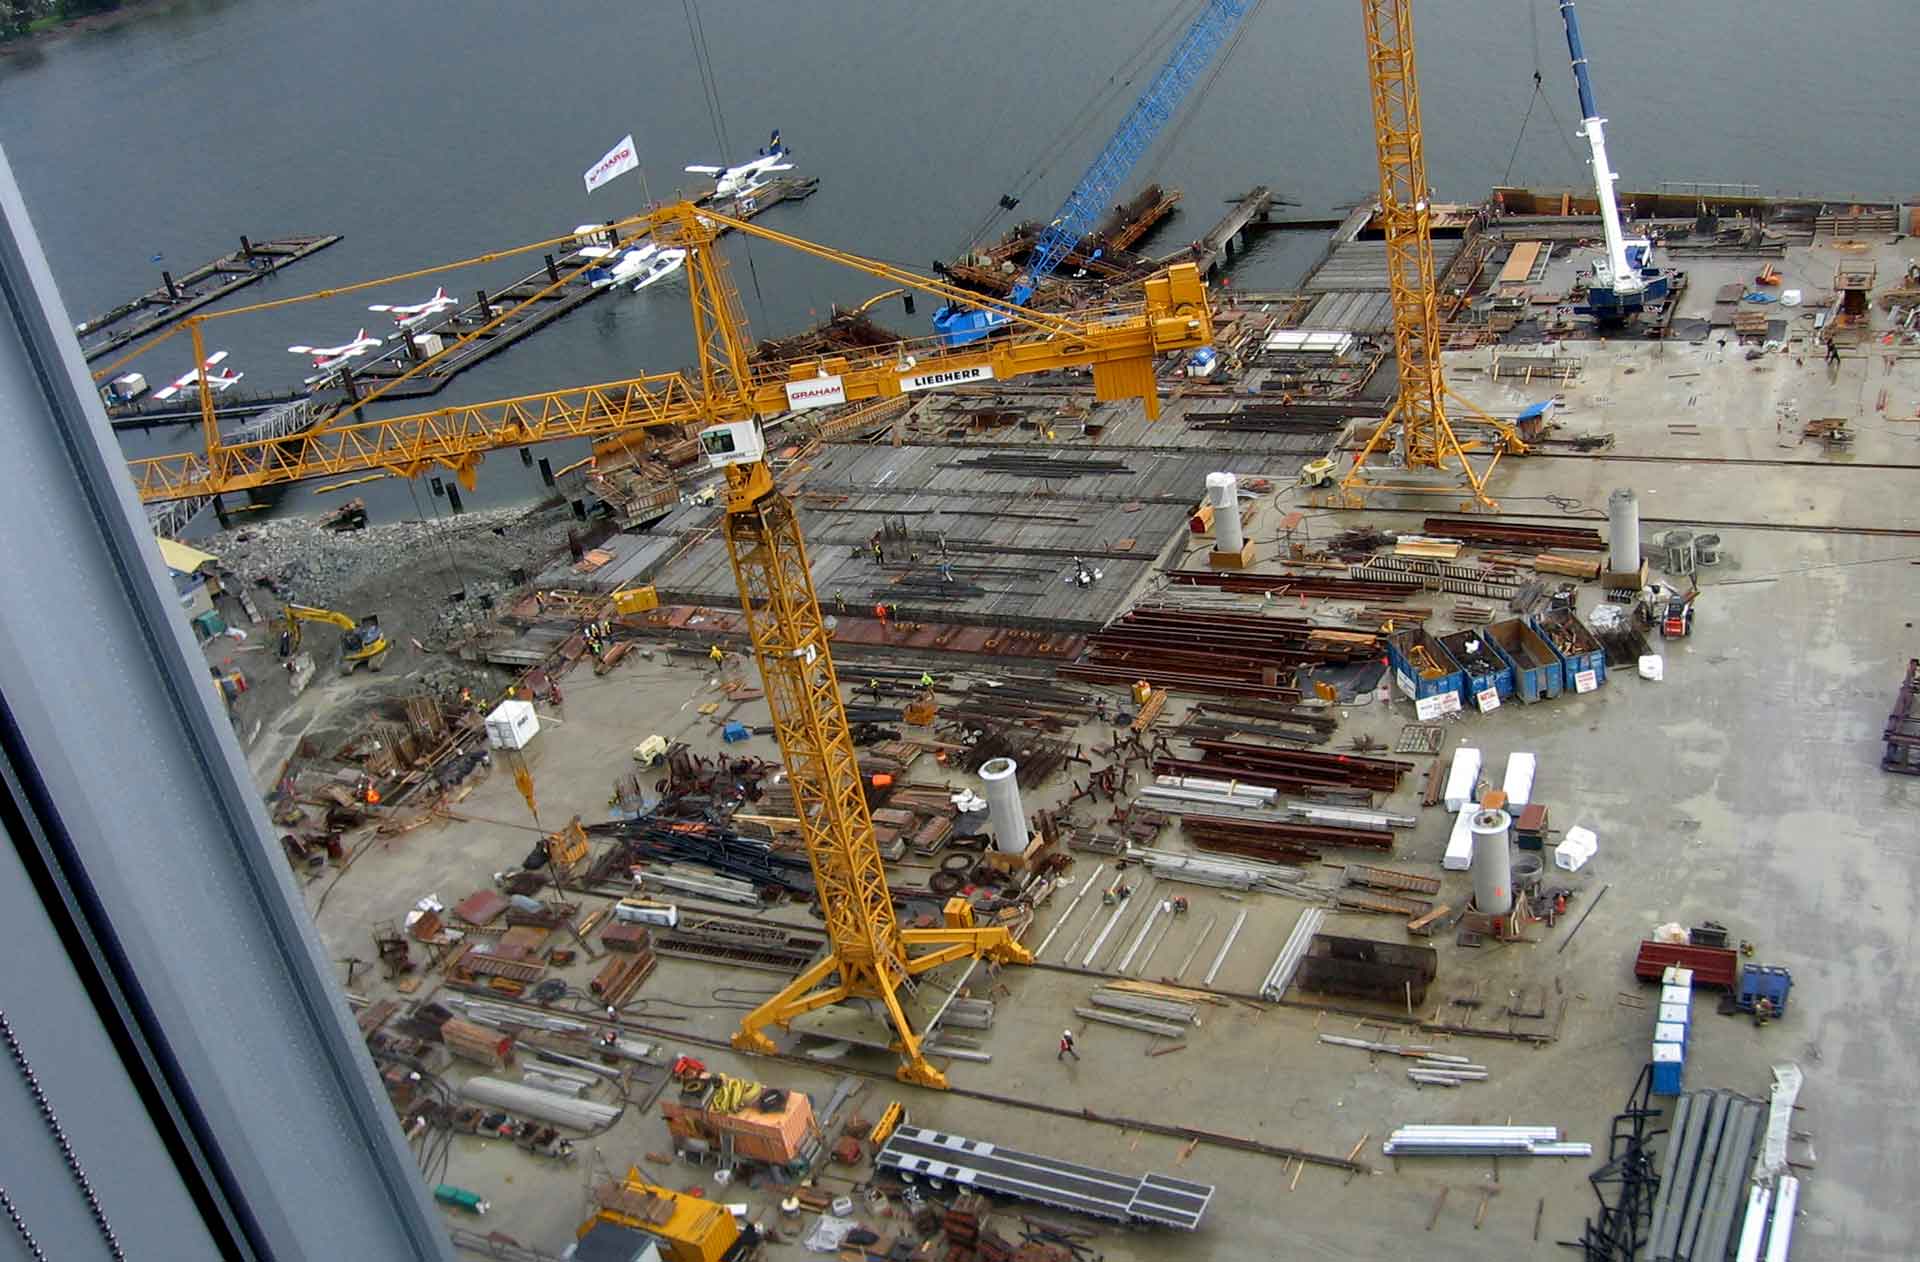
620, 159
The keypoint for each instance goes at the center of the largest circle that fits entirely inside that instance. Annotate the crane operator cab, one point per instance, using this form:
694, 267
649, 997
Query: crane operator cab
739, 442
740, 449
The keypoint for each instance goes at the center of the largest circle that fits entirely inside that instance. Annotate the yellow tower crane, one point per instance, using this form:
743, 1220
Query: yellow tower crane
1118, 342
869, 957
1415, 429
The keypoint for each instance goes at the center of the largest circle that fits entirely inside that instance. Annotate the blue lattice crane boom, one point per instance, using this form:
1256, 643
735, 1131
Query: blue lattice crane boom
1621, 281
1091, 197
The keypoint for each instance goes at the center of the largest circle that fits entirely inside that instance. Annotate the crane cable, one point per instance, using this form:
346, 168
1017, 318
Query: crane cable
1539, 97
710, 88
1190, 108
1077, 126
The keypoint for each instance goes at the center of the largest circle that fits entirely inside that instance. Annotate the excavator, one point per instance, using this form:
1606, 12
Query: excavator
363, 642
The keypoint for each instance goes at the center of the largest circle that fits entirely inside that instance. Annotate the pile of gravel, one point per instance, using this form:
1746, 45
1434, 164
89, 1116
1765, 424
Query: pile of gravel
304, 563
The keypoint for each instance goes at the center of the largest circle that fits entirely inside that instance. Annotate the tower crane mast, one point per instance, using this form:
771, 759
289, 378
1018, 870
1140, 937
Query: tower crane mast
1416, 433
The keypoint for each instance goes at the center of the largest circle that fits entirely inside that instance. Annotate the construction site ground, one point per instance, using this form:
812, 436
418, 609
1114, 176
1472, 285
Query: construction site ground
1744, 788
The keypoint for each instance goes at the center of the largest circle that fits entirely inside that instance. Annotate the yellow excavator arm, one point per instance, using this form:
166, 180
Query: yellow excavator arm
363, 642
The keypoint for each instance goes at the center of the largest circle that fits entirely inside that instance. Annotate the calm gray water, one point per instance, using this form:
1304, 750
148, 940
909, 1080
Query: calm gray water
435, 131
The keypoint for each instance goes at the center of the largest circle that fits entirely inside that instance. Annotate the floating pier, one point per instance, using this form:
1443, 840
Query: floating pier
1222, 240
180, 296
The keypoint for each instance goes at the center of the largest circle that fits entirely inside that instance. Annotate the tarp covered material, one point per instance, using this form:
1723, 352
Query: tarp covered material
828, 1233
180, 558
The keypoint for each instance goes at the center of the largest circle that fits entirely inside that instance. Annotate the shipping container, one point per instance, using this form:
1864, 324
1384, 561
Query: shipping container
1537, 672
1583, 661
1435, 691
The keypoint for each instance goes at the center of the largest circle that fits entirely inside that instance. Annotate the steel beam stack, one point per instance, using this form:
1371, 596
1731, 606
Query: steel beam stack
1276, 841
1514, 534
1221, 652
1703, 1174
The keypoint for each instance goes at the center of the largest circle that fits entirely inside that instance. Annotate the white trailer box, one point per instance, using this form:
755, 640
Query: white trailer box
1518, 783
512, 725
1459, 856
1463, 778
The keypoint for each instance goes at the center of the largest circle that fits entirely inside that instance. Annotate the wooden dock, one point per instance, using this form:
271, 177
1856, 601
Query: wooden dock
1222, 240
178, 297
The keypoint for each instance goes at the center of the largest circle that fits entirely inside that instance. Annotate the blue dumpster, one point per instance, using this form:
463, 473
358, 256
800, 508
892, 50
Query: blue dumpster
1537, 673
1579, 651
1432, 678
1481, 667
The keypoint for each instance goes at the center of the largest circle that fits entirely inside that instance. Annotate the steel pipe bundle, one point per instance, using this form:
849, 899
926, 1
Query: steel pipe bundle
1230, 790
705, 885
1226, 874
1163, 1029
1280, 976
1347, 817
1144, 1005
1482, 1141
546, 1106
1436, 1078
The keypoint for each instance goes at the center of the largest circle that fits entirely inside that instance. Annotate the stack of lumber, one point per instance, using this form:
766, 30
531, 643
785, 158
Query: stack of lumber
477, 1043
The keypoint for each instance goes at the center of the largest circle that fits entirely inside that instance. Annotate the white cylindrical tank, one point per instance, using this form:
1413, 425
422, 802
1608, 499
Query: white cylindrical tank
1223, 492
1492, 863
1623, 511
1005, 813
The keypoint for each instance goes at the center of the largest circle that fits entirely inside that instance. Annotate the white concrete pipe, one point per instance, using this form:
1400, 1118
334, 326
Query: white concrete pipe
1223, 492
1492, 863
1623, 510
1004, 810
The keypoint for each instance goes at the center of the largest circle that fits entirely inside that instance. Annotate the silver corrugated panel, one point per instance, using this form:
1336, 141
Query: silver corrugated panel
935, 1155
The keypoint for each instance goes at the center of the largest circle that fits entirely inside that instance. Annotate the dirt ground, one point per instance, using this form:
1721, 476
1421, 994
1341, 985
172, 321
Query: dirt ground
406, 574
